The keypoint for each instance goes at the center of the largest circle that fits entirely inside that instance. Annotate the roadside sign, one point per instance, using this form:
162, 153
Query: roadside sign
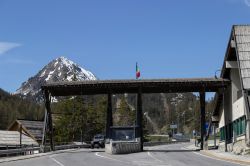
173, 126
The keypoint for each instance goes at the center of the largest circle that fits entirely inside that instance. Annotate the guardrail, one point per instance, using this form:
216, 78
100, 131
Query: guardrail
72, 146
31, 150
163, 143
19, 150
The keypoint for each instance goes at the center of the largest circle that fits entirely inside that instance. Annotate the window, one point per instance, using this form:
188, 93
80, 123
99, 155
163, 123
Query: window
227, 135
239, 94
248, 92
235, 127
239, 126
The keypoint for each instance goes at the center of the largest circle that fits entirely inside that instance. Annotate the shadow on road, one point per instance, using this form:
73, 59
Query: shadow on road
170, 150
94, 151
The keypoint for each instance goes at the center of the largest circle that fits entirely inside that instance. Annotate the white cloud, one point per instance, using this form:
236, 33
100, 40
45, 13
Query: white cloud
7, 46
247, 2
17, 61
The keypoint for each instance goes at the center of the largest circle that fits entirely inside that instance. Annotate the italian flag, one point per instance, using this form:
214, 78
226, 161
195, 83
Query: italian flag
138, 74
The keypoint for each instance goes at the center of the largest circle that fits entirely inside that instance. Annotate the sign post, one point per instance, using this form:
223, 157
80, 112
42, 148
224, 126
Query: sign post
173, 126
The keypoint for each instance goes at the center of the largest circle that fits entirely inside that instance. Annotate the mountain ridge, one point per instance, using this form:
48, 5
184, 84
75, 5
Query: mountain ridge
59, 69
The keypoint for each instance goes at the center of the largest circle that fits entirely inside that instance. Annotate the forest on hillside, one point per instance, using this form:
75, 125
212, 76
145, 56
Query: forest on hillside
13, 107
78, 118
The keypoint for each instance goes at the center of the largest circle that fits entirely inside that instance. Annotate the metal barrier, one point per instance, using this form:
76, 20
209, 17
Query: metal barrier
31, 150
163, 143
19, 150
22, 151
72, 146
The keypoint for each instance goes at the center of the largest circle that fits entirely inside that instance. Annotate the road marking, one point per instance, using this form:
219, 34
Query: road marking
214, 158
59, 163
218, 159
149, 154
109, 158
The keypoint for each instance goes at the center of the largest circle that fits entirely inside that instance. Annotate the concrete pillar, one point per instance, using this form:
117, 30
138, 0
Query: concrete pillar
202, 117
109, 119
139, 133
214, 130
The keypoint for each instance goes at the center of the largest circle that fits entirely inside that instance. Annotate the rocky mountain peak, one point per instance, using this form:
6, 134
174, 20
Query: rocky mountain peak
60, 69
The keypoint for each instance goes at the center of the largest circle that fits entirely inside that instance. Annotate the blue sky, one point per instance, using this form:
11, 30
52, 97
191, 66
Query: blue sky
168, 39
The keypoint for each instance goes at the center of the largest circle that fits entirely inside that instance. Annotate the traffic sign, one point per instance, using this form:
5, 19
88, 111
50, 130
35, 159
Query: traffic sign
173, 126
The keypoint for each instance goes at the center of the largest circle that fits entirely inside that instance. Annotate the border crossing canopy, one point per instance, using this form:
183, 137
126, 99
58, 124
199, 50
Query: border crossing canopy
109, 87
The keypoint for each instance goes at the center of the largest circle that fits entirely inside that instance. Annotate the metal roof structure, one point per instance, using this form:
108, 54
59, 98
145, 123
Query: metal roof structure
132, 86
140, 87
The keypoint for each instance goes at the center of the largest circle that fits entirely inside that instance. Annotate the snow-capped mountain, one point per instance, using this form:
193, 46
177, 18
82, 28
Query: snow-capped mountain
60, 69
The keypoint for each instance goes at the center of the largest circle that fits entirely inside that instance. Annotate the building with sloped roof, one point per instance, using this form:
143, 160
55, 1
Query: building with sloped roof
32, 128
232, 111
12, 139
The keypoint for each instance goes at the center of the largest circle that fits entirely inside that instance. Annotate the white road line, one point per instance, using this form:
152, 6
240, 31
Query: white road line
109, 158
149, 154
197, 153
214, 157
59, 163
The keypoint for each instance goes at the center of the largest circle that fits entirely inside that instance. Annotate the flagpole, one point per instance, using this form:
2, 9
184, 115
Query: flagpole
136, 70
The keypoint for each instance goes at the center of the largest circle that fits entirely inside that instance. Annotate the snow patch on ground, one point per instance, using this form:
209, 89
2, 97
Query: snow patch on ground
49, 76
43, 73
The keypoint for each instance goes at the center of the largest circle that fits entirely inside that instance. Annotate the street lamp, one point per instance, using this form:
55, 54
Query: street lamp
215, 73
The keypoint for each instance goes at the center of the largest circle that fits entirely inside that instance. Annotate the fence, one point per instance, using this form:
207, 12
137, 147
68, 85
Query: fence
19, 151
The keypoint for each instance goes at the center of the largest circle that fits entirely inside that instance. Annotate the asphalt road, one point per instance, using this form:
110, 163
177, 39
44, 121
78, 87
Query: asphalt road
164, 155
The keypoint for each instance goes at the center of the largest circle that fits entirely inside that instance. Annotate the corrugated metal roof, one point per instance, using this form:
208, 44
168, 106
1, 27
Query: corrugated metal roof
13, 138
242, 39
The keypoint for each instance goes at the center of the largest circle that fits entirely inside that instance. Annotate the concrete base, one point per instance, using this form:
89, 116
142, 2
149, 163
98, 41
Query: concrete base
239, 147
122, 147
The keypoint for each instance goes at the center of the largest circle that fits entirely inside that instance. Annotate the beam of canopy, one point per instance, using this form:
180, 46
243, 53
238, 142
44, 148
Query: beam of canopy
131, 86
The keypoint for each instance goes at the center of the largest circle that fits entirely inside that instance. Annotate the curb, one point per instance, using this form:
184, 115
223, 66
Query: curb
210, 154
22, 157
17, 158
